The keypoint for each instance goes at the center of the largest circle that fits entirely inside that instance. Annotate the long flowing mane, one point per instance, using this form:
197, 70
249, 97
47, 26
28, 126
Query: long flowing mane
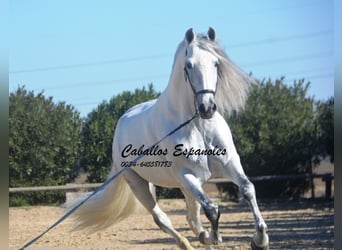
233, 84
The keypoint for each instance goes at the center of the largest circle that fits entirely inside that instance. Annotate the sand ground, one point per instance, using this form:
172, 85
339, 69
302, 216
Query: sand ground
292, 225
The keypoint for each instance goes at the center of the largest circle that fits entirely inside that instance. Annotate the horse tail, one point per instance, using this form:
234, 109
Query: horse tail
110, 205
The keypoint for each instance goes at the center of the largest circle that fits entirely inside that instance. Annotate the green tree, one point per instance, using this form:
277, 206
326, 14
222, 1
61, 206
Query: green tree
277, 134
325, 121
99, 127
44, 142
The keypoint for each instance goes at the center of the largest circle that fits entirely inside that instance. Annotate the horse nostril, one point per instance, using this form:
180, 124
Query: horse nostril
214, 107
202, 108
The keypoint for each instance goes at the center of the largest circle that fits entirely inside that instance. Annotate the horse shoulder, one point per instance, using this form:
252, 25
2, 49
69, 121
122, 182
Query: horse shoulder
218, 134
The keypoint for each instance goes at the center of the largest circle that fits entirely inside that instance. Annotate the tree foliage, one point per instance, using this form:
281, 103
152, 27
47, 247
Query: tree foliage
281, 131
277, 133
325, 120
44, 141
99, 127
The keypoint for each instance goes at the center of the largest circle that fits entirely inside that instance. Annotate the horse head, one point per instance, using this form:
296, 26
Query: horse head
201, 70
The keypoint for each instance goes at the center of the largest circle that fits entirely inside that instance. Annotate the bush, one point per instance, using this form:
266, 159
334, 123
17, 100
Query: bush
169, 193
99, 127
44, 143
276, 134
37, 198
17, 201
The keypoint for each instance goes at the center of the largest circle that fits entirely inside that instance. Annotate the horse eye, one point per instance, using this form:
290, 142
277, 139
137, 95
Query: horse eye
217, 64
188, 65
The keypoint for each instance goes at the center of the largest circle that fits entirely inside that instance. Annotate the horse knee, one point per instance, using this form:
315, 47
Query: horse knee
247, 190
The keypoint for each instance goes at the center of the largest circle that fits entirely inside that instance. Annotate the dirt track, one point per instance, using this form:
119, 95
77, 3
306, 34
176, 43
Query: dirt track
292, 225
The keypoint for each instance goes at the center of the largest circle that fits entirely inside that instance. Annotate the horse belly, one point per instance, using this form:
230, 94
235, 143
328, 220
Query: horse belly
153, 168
158, 172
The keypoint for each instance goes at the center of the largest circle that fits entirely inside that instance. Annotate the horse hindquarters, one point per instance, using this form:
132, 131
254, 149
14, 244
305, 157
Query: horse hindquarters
110, 205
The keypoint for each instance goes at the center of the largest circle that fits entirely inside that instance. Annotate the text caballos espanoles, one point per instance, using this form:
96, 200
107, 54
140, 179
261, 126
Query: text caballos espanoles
179, 150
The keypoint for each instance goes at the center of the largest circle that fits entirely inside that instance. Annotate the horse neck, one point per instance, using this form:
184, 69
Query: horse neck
177, 98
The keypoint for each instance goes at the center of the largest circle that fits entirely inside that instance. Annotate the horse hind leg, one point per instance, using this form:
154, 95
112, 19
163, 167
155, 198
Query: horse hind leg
164, 223
141, 190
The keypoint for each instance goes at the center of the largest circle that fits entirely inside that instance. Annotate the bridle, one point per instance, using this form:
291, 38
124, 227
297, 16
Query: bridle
197, 93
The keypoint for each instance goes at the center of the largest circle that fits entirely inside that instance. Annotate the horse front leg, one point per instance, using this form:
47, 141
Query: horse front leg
260, 238
193, 192
234, 169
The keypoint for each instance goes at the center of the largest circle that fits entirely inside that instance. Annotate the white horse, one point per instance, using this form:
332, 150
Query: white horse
203, 81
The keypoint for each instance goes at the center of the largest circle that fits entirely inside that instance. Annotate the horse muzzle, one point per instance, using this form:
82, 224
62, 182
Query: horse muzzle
207, 111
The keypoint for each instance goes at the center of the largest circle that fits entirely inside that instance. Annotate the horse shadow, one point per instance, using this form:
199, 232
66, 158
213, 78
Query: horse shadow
290, 226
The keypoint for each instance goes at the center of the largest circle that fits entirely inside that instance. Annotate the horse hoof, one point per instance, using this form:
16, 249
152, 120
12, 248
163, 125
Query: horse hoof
203, 237
211, 238
255, 247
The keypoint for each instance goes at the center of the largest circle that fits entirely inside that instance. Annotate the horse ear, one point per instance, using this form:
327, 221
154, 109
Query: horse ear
189, 35
211, 34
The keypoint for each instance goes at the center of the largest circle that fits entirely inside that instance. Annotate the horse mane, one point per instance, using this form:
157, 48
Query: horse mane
233, 84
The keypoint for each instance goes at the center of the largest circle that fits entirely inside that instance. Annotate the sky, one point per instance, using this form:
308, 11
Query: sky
83, 52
